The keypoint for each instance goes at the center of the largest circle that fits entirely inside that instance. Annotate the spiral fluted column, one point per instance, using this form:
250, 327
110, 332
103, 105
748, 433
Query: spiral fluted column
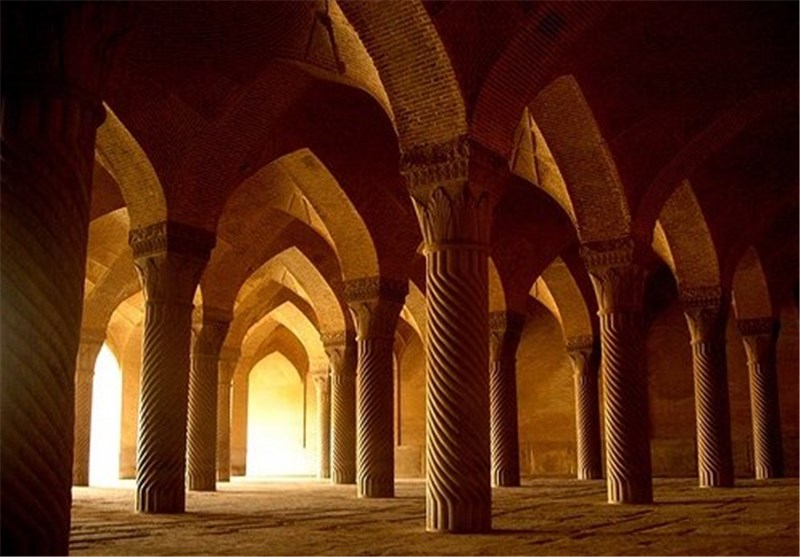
90, 344
201, 443
170, 258
760, 337
505, 329
227, 365
454, 215
580, 350
375, 304
322, 389
55, 59
342, 351
619, 287
706, 311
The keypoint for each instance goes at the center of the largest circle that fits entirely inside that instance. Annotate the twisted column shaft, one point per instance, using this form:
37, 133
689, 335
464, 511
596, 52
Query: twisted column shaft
454, 217
375, 304
227, 366
706, 313
341, 350
201, 453
322, 389
89, 348
619, 286
759, 337
170, 259
55, 59
505, 330
587, 408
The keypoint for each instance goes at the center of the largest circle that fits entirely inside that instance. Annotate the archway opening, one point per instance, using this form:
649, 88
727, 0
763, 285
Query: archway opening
276, 425
104, 440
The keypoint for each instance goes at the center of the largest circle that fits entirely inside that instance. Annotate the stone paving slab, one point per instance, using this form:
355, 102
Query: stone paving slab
543, 517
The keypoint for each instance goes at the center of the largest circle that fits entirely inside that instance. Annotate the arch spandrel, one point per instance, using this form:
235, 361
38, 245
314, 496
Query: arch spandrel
541, 292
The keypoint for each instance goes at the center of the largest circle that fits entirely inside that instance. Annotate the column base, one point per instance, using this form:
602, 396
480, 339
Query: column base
375, 488
505, 478
590, 474
160, 501
463, 517
196, 483
767, 473
344, 478
709, 479
630, 491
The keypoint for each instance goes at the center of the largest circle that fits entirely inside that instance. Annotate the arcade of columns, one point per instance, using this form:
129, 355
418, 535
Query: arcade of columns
183, 437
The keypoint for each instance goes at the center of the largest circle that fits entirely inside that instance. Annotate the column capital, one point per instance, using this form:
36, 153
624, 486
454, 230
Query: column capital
434, 165
211, 336
706, 310
580, 349
617, 279
759, 336
767, 326
170, 258
375, 303
505, 330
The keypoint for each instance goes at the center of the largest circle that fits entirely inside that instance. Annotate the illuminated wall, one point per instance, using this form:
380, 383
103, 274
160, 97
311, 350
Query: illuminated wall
106, 415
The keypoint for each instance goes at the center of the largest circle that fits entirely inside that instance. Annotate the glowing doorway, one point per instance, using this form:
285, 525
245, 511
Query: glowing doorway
275, 420
106, 416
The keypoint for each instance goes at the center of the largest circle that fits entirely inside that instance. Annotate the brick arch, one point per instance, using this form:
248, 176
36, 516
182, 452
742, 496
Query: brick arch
415, 70
541, 293
414, 311
724, 129
283, 341
257, 307
118, 152
751, 297
692, 255
528, 61
573, 312
584, 160
296, 321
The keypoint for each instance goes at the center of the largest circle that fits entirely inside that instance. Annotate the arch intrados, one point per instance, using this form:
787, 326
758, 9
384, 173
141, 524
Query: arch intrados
751, 296
573, 312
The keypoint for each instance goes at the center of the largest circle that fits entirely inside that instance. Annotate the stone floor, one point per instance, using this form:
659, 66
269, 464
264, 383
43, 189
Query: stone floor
544, 517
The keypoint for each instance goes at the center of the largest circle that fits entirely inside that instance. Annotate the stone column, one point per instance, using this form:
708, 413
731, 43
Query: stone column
239, 395
760, 337
170, 258
227, 365
55, 59
90, 344
341, 349
706, 313
619, 286
505, 330
454, 217
375, 304
322, 389
580, 350
201, 454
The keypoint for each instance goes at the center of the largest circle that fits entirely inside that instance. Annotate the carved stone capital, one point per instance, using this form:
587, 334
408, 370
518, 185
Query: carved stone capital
434, 165
454, 218
759, 326
322, 381
617, 279
706, 311
341, 351
505, 330
375, 303
618, 252
171, 237
580, 350
210, 338
371, 288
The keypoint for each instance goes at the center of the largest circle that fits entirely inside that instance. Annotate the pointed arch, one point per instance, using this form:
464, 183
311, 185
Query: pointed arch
414, 68
692, 255
118, 152
572, 311
584, 159
497, 295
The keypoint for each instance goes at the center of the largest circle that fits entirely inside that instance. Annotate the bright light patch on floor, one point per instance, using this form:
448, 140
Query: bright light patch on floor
275, 420
106, 415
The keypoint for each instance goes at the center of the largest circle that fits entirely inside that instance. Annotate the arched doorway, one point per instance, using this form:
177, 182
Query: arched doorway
104, 441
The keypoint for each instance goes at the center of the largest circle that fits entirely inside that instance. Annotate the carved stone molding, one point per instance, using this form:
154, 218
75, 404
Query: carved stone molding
173, 237
457, 219
441, 164
375, 304
759, 326
618, 288
505, 330
169, 278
